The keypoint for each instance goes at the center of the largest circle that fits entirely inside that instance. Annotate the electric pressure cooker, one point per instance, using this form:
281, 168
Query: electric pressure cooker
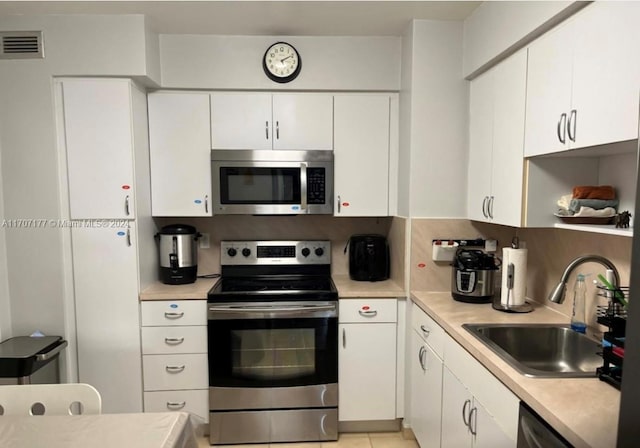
472, 276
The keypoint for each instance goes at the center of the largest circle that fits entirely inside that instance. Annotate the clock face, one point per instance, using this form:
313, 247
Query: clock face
281, 62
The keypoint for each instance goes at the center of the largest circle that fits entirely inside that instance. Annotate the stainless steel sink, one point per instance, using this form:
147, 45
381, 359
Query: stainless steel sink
541, 350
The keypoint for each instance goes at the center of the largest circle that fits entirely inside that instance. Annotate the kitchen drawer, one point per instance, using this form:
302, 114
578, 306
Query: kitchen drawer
167, 340
194, 401
174, 312
175, 372
428, 329
368, 310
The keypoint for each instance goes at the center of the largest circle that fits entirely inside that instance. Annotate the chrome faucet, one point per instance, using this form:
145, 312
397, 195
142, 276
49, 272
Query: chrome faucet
558, 293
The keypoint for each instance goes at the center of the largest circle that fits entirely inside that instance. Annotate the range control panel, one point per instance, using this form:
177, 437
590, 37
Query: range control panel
274, 252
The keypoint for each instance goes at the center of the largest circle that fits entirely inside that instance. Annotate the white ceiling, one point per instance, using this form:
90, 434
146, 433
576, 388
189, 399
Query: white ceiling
240, 17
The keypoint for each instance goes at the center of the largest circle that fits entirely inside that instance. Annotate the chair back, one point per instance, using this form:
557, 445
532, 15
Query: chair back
49, 399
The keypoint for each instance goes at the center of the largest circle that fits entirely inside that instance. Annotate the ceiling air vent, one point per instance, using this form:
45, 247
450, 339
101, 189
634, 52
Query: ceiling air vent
21, 45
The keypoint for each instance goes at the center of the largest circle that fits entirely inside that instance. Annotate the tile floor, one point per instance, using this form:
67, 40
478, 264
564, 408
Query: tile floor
345, 440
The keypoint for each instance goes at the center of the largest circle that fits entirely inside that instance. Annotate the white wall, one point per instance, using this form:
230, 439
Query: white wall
438, 110
235, 62
5, 307
498, 28
74, 45
404, 159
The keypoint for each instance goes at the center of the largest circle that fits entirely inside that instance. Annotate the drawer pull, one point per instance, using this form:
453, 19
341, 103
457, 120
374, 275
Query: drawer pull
174, 405
173, 315
175, 369
425, 330
368, 313
173, 341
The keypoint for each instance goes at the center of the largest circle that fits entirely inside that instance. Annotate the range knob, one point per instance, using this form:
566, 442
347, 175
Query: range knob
319, 251
246, 252
232, 252
305, 252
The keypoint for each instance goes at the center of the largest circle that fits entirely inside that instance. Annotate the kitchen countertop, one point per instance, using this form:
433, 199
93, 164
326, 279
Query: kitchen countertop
584, 410
347, 288
191, 291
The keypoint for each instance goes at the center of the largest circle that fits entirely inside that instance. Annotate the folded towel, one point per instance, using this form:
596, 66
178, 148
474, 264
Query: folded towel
594, 192
564, 201
598, 204
592, 212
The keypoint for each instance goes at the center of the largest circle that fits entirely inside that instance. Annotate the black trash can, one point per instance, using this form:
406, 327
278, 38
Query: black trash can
31, 360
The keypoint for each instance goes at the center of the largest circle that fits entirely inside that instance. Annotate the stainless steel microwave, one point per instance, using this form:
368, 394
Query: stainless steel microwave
272, 182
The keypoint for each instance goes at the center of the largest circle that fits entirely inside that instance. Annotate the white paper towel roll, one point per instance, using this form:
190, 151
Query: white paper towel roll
517, 257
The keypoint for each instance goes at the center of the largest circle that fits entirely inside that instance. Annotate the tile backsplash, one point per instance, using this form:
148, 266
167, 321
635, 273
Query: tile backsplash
549, 252
337, 230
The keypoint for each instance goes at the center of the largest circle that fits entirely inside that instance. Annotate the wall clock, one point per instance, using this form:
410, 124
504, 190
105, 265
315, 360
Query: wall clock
282, 62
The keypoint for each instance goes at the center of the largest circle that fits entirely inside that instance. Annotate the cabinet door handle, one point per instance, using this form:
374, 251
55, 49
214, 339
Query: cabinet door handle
173, 341
174, 405
339, 201
464, 413
266, 129
277, 130
129, 237
175, 369
562, 128
425, 331
484, 206
206, 203
473, 416
344, 338
490, 207
572, 124
173, 315
421, 357
126, 205
368, 313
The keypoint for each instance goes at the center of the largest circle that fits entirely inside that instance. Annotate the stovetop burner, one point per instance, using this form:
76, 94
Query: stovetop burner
274, 270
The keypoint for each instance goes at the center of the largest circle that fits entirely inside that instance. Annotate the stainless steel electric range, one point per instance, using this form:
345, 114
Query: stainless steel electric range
273, 344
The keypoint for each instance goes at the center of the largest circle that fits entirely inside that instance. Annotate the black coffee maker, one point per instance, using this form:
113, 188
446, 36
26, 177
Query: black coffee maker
368, 258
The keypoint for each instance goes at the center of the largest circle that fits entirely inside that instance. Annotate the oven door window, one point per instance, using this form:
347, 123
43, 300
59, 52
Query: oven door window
259, 185
273, 353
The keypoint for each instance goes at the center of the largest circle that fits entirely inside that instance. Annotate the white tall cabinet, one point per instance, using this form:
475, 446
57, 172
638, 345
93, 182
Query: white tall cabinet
112, 249
179, 137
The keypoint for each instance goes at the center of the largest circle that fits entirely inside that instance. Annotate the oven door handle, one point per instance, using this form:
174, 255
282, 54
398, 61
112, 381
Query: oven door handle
248, 311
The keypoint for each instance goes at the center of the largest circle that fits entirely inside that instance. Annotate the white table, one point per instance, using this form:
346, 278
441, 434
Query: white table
140, 430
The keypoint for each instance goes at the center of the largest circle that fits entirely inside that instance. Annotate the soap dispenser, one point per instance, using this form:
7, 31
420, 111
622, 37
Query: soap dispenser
578, 321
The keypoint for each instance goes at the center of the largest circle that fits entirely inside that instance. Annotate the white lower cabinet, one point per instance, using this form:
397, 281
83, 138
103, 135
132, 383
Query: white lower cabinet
455, 401
426, 392
465, 421
367, 359
174, 356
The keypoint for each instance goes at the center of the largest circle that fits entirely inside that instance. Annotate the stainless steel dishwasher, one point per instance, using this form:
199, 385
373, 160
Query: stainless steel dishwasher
534, 432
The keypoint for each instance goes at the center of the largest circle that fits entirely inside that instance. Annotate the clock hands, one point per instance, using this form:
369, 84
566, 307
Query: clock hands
282, 60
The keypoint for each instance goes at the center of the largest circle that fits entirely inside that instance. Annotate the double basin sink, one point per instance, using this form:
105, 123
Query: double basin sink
541, 350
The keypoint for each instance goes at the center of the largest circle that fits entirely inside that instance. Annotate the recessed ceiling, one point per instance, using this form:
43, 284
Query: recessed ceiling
239, 17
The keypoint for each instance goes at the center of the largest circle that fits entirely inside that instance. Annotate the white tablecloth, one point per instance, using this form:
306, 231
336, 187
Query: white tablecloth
142, 430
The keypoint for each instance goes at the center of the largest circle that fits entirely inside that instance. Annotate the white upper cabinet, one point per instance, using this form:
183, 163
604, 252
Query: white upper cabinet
303, 121
496, 133
99, 145
583, 81
180, 154
241, 121
298, 121
361, 155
